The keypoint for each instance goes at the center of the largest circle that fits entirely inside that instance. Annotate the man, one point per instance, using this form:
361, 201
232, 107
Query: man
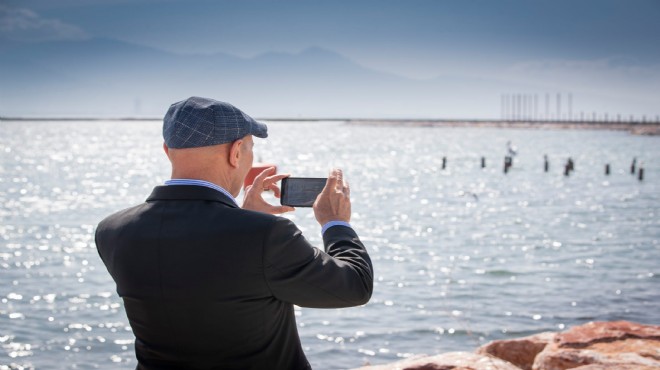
207, 284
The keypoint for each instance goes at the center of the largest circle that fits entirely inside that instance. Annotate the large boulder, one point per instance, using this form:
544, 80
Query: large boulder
520, 351
447, 361
609, 331
603, 345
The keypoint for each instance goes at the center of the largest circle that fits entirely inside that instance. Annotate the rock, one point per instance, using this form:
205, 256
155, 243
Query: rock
447, 361
521, 351
618, 345
615, 367
593, 332
649, 130
610, 345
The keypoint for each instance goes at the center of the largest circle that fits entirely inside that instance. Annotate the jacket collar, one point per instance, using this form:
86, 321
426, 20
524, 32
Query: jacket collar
189, 192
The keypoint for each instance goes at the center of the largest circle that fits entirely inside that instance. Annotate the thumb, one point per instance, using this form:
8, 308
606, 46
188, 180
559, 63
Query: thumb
282, 209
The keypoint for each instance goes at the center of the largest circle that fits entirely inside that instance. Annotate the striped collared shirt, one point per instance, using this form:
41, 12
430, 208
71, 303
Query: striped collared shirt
201, 183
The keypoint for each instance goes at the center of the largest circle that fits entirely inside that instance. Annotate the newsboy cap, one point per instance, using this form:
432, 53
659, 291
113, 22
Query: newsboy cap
197, 122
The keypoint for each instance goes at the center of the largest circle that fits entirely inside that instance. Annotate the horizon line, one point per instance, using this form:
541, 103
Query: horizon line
363, 120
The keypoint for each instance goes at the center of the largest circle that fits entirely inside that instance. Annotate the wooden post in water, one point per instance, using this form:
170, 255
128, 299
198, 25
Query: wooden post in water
483, 162
444, 162
546, 164
632, 166
570, 166
607, 169
508, 163
640, 176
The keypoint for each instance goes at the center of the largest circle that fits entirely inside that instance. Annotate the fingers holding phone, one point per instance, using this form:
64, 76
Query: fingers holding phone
334, 202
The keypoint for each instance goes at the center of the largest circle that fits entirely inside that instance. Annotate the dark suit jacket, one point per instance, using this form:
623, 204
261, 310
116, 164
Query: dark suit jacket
208, 285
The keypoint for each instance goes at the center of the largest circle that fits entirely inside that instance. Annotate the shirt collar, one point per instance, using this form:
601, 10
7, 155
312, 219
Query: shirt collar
201, 183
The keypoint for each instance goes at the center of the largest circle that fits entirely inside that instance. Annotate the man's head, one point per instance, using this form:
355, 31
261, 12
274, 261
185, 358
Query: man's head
210, 140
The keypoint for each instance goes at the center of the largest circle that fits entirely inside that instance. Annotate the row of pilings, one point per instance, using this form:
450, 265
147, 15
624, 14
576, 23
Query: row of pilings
569, 166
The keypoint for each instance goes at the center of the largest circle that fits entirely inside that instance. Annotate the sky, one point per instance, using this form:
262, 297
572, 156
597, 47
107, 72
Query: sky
584, 46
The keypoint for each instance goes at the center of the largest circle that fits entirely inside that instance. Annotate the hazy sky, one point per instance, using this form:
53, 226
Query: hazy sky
420, 38
573, 44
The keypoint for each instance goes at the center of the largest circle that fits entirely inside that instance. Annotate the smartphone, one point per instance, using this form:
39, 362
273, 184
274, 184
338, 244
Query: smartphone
301, 191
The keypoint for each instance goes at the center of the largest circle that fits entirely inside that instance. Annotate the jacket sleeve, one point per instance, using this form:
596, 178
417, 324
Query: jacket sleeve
298, 273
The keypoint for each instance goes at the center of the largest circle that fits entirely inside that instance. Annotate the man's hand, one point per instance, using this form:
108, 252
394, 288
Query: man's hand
253, 199
334, 202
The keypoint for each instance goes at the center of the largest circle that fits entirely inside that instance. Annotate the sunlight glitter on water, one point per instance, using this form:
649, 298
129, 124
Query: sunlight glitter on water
461, 256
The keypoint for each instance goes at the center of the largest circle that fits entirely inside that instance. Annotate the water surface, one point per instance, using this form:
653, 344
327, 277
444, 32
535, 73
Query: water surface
462, 255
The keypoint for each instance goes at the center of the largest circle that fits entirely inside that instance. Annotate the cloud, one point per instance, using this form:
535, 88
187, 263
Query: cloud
20, 24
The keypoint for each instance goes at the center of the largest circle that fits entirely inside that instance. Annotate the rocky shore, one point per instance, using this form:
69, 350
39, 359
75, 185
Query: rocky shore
620, 345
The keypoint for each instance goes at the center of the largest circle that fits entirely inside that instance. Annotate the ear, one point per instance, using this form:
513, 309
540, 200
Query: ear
235, 153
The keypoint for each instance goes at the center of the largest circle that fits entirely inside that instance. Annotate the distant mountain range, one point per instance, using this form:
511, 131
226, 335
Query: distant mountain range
108, 78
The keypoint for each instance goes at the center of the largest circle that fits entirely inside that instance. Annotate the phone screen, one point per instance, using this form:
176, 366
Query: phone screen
301, 191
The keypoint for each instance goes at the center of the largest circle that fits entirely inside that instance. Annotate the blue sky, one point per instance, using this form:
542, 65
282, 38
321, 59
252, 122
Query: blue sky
565, 45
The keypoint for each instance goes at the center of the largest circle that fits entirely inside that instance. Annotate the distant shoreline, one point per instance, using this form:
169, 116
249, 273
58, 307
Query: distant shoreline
634, 127
77, 119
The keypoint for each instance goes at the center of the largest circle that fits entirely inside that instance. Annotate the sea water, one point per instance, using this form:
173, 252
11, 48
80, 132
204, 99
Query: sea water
462, 255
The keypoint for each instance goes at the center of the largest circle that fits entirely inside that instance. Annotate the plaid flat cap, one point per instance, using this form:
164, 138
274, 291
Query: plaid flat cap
197, 122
